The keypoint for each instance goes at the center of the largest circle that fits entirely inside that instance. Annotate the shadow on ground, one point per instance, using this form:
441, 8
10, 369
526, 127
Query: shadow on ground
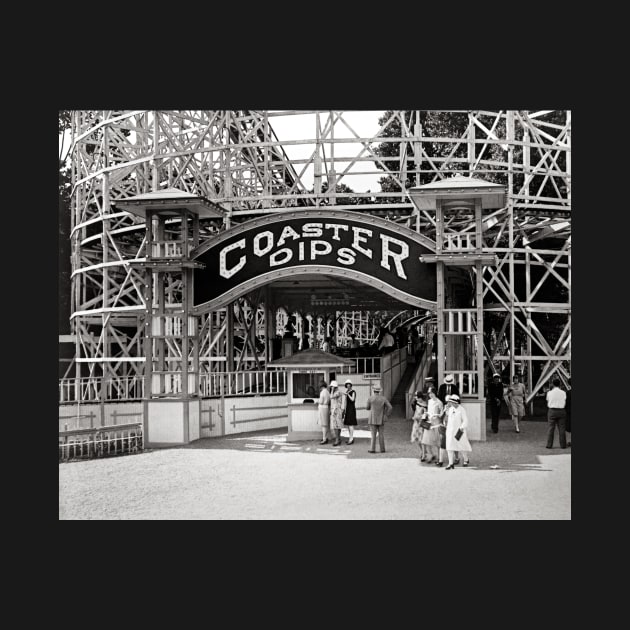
506, 450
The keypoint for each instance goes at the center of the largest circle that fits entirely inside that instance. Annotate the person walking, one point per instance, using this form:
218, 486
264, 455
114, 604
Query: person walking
456, 428
431, 437
495, 394
419, 407
379, 408
556, 414
516, 399
336, 412
350, 411
447, 388
323, 410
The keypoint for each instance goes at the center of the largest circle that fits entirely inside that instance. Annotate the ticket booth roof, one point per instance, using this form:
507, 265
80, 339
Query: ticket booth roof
311, 358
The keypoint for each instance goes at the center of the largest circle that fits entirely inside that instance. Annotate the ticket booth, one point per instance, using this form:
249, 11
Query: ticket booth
305, 371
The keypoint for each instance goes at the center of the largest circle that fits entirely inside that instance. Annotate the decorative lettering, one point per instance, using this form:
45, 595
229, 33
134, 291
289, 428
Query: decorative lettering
273, 259
336, 227
360, 239
346, 256
269, 236
224, 271
327, 248
312, 230
286, 233
397, 256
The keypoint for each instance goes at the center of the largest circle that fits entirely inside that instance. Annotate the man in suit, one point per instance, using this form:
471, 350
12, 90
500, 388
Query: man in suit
447, 388
495, 394
379, 408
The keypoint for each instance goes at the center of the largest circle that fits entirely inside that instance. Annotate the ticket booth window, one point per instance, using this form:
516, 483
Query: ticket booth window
307, 385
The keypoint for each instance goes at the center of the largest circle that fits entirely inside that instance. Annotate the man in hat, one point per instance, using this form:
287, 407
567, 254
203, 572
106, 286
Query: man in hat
447, 388
495, 394
379, 408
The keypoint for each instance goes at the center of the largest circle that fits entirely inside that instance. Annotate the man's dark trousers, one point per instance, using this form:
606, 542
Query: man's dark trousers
557, 417
495, 411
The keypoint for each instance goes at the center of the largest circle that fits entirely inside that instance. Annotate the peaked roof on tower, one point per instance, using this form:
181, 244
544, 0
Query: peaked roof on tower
169, 199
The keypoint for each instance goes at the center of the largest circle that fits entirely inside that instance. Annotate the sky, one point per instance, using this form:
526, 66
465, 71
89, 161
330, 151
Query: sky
303, 127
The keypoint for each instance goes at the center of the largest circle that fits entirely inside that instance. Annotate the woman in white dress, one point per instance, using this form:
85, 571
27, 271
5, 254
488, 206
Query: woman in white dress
419, 406
456, 420
436, 413
431, 437
323, 410
336, 412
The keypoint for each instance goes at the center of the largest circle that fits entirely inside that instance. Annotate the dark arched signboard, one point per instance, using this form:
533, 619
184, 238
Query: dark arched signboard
368, 249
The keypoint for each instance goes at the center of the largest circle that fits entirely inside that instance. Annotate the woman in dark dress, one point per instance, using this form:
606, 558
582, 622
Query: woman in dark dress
350, 413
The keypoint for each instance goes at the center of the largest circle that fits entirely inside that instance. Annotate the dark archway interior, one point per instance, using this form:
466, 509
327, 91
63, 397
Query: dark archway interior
320, 293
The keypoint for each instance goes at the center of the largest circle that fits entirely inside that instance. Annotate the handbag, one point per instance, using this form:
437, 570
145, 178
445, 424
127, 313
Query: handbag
459, 434
425, 424
442, 430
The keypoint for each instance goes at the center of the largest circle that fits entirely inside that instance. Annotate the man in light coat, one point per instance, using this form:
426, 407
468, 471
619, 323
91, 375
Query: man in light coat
379, 408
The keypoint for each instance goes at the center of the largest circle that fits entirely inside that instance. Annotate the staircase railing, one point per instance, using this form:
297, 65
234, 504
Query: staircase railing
418, 377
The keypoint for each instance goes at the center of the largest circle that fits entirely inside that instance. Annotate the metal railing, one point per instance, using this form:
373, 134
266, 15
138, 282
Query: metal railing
101, 442
215, 384
98, 389
211, 384
419, 376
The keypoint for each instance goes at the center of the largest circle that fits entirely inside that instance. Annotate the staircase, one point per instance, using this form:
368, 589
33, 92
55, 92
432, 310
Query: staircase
398, 399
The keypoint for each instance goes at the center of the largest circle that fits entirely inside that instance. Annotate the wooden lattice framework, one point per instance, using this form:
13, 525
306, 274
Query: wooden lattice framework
235, 159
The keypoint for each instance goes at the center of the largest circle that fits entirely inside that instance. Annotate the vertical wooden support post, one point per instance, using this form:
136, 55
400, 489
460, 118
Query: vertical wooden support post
227, 174
510, 140
471, 144
155, 175
317, 175
479, 299
267, 188
229, 337
105, 316
332, 176
528, 290
441, 350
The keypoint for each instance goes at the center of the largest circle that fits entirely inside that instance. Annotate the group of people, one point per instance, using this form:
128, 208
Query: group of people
440, 424
337, 408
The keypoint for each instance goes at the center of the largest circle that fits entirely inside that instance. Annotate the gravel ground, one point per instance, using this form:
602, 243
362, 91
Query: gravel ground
262, 476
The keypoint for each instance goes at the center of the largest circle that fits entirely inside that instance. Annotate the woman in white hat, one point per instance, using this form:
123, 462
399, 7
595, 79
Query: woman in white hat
336, 412
350, 411
431, 437
456, 438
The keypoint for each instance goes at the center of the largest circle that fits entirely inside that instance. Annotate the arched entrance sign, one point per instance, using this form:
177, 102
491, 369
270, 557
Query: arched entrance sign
361, 247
